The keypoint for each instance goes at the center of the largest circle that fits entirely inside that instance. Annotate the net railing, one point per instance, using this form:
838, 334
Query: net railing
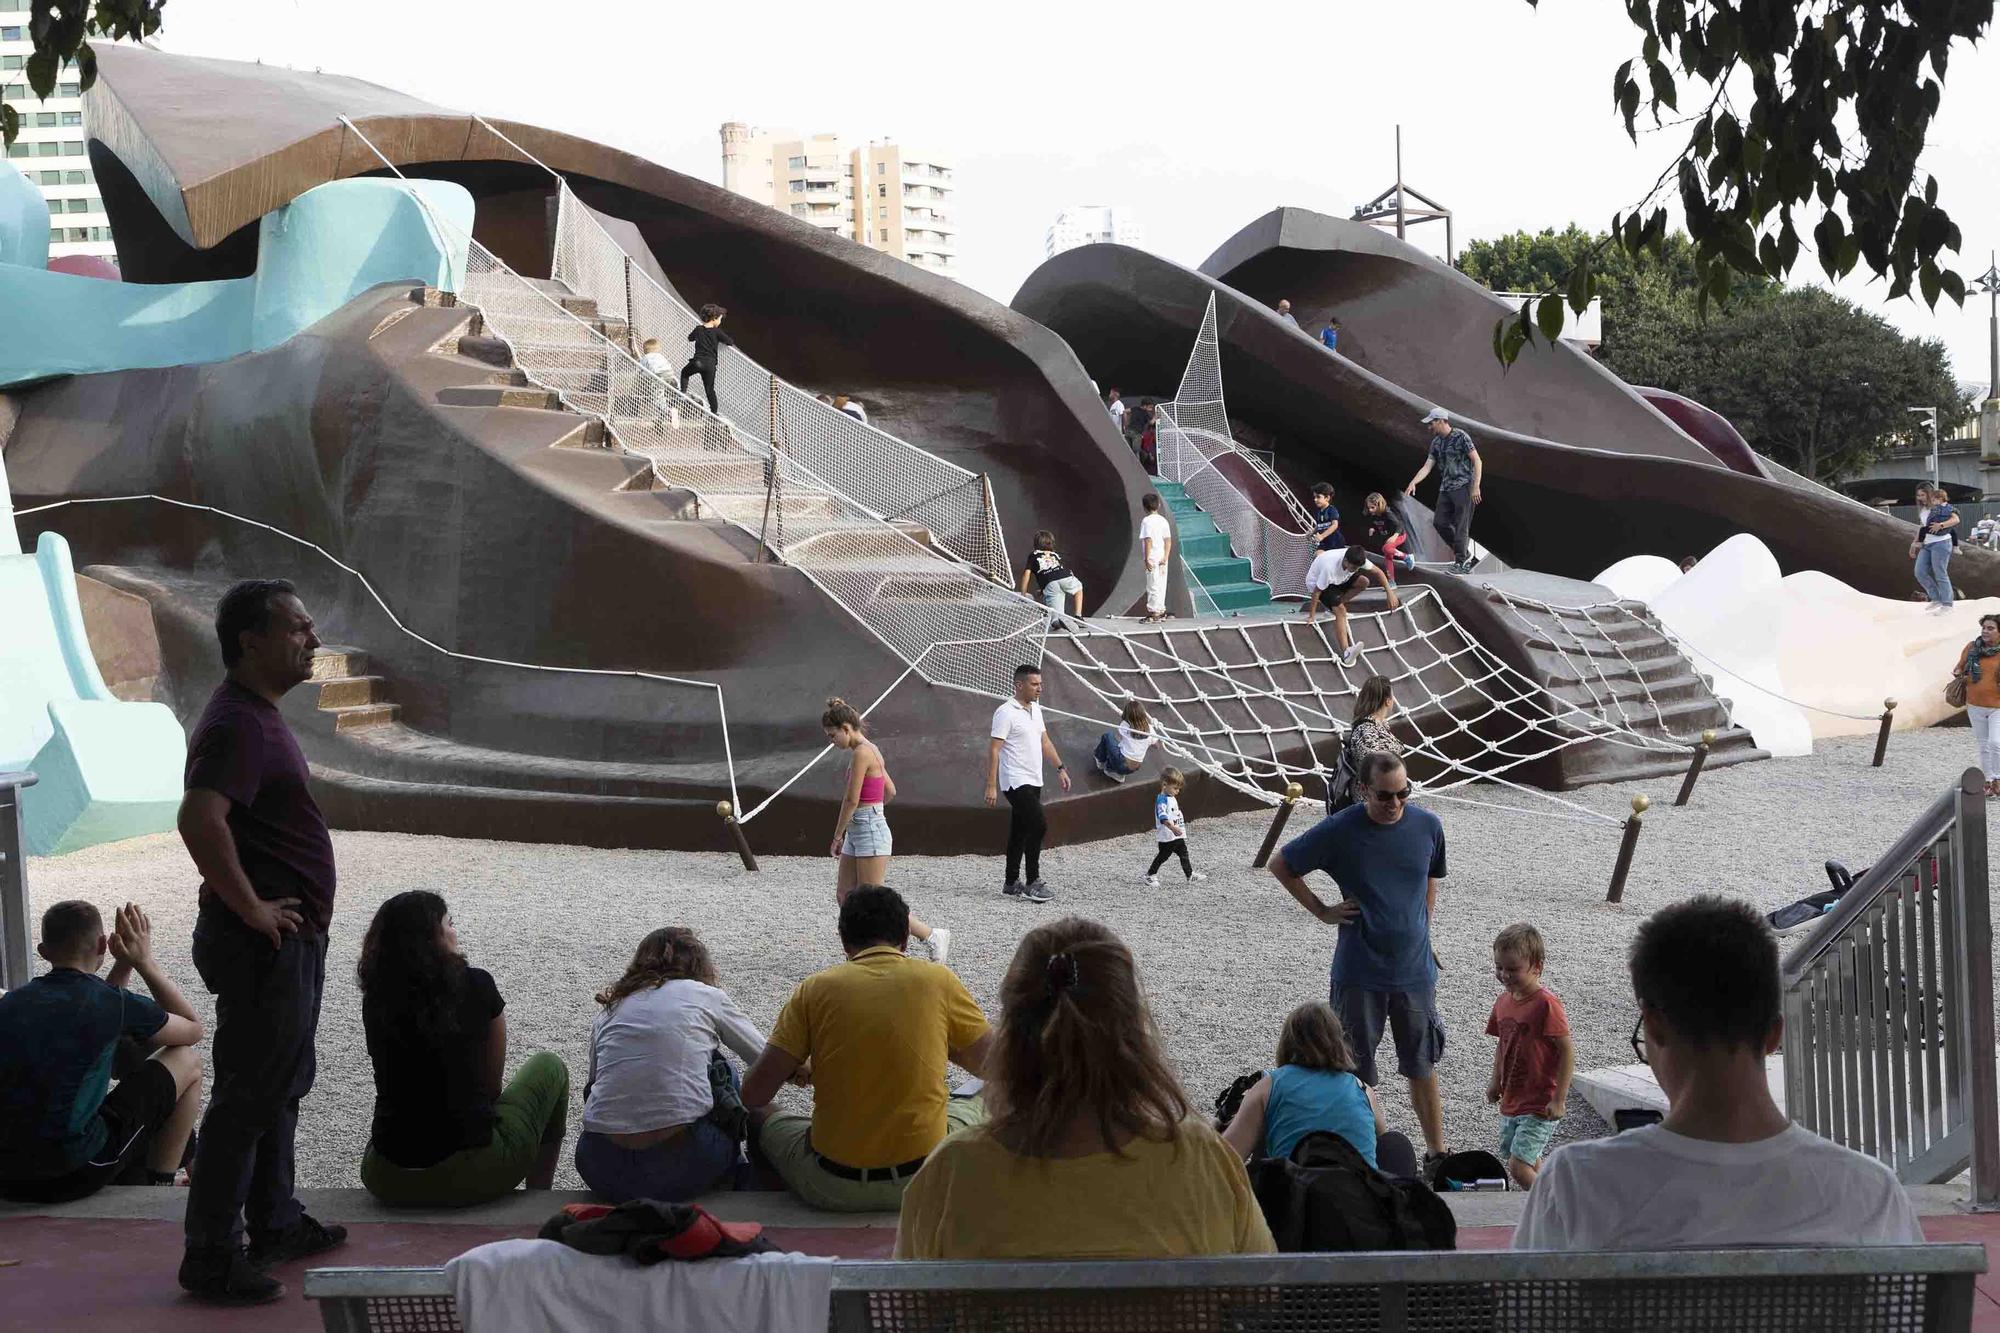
896, 479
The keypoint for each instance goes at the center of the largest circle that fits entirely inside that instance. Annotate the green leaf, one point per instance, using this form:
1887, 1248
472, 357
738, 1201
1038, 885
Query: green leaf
10, 123
1753, 153
1582, 283
1549, 317
86, 66
1931, 283
1663, 85
41, 68
1954, 286
1499, 340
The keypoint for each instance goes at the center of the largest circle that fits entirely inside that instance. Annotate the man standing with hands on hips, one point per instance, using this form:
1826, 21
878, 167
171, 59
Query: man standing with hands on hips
1386, 856
1459, 470
1020, 740
267, 882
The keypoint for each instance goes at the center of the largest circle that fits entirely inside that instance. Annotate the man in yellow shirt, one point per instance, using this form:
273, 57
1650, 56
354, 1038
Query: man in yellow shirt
877, 1031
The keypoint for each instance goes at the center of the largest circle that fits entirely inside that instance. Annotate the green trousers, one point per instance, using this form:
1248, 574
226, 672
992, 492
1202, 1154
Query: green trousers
532, 1110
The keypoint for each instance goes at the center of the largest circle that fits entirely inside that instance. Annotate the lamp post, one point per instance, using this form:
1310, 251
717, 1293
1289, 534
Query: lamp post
1931, 414
1989, 282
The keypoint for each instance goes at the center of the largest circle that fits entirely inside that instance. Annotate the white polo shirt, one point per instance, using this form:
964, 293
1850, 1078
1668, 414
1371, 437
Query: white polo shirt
1019, 730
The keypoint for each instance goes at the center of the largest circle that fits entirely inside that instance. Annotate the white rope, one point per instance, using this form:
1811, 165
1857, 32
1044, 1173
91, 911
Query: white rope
785, 786
728, 754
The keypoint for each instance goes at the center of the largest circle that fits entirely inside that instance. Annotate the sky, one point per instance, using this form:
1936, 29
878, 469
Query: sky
1200, 117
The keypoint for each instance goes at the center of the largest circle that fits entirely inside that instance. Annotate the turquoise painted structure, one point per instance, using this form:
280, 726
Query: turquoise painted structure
1223, 575
314, 255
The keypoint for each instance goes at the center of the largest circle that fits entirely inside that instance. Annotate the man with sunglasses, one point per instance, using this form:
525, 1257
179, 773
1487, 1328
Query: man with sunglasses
1386, 856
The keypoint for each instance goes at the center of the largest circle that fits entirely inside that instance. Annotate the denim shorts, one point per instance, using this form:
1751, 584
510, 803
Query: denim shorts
867, 833
1526, 1137
1411, 1017
1067, 586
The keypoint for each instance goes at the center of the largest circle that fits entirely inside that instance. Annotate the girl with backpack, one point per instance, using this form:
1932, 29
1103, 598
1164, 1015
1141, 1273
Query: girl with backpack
1312, 1088
1368, 734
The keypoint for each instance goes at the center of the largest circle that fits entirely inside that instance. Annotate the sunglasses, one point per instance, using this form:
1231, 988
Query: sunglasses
1402, 794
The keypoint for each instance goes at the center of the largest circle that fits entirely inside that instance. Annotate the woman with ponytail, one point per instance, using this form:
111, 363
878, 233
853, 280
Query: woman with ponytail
660, 1115
1090, 1151
861, 838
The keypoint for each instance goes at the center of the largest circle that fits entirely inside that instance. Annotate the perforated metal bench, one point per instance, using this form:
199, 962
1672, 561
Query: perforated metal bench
1913, 1289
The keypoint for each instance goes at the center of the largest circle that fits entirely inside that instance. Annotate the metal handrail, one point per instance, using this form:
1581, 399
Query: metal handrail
1890, 870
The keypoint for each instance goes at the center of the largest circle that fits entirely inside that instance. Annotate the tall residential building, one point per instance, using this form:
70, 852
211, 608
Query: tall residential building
49, 150
1088, 224
888, 196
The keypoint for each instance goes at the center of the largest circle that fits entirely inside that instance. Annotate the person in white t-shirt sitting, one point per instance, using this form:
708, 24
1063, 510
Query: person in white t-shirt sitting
1156, 542
1121, 752
1020, 740
1725, 1168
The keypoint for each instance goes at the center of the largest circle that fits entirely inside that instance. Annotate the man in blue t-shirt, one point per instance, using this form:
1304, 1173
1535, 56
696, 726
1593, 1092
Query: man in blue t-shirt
65, 1130
1386, 856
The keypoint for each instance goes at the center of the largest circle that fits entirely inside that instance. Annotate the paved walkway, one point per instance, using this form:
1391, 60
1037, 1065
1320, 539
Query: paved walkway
108, 1261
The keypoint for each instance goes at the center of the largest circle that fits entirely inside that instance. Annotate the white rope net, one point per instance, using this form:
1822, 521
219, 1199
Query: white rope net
904, 484
1192, 434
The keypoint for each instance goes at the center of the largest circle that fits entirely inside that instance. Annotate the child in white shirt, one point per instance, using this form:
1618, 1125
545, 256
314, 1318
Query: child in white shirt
1170, 829
1120, 752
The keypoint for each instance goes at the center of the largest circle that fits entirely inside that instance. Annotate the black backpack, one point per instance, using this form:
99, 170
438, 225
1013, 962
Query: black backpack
1456, 1170
1327, 1198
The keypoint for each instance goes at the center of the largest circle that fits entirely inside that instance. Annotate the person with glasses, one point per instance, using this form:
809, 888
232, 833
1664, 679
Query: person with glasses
1386, 857
1725, 1168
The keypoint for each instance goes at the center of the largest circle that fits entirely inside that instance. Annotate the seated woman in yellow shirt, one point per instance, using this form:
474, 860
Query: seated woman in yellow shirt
1090, 1151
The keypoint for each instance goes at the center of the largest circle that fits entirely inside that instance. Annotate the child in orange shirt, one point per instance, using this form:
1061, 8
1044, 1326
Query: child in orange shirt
1534, 1060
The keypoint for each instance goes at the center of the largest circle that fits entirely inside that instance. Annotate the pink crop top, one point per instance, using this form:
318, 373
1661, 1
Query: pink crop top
871, 789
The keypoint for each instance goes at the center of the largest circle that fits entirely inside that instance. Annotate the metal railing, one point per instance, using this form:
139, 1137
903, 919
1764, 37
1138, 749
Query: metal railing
1888, 1007
17, 958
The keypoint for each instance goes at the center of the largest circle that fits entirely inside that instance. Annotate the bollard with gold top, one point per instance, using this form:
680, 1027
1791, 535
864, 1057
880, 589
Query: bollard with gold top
1694, 766
1292, 793
1882, 736
728, 813
1625, 850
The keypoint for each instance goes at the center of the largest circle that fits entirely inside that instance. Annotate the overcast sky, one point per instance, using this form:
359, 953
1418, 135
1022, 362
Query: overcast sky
1201, 117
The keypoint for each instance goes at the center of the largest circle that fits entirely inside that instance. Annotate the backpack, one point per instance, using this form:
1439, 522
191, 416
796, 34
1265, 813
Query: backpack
1459, 1169
1340, 787
1326, 1197
1230, 1100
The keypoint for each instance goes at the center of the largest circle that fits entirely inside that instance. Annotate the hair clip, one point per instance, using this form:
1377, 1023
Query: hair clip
1062, 972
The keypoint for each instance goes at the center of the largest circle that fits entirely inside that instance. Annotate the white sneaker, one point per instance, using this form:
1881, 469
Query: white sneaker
1197, 877
1351, 656
1150, 881
939, 944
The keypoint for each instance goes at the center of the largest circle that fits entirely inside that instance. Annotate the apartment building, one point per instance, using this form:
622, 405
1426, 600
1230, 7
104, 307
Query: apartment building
50, 149
888, 196
1089, 224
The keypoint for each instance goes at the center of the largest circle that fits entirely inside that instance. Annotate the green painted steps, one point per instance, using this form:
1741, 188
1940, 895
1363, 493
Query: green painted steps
1223, 575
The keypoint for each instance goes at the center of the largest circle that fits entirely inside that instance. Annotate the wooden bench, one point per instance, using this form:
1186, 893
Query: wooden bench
1905, 1289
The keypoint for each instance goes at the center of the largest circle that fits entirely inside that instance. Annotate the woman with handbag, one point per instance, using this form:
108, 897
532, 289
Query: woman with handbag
1976, 685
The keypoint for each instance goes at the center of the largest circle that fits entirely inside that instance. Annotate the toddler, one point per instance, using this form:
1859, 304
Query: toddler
1170, 829
1533, 1063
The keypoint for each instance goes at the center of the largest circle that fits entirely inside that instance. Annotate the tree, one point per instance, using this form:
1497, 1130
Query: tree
60, 31
1538, 261
1809, 378
1840, 96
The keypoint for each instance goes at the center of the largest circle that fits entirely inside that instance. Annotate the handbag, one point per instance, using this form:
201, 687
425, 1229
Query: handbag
1954, 692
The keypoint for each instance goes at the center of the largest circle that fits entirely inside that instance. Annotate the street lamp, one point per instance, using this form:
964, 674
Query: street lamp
1931, 413
1989, 282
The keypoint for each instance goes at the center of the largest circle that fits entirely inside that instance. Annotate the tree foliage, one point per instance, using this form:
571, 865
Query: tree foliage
61, 31
1811, 109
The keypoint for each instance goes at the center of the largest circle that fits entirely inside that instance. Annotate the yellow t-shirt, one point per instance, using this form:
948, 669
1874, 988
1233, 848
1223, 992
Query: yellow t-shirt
879, 1029
976, 1200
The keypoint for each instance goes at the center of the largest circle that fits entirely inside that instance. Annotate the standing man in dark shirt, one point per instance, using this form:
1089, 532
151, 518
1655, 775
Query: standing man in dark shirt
1459, 469
709, 340
267, 884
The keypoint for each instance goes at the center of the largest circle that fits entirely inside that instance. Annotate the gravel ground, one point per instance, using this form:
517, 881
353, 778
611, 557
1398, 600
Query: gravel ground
1222, 964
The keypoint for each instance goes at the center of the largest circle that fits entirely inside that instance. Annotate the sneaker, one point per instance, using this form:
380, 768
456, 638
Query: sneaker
302, 1238
1015, 889
1115, 777
1038, 892
1197, 877
226, 1277
1150, 881
1351, 656
1431, 1159
1462, 567
939, 944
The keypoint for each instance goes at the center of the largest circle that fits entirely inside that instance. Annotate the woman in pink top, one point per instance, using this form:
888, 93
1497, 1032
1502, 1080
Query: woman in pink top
861, 833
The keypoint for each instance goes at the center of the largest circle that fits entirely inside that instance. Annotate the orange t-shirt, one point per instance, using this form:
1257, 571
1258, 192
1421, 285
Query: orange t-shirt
1529, 1059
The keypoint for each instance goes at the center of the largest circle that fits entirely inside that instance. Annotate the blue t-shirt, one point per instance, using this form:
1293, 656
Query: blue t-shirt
1331, 337
57, 1036
1303, 1101
1322, 516
1384, 868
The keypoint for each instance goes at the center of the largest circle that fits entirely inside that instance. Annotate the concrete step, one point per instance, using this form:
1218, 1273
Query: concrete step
500, 395
486, 347
359, 717
1238, 596
350, 691
332, 662
1213, 571
582, 306
1206, 546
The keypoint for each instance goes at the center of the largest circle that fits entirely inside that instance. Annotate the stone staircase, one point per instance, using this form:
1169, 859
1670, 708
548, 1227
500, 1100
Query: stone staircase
350, 698
1223, 575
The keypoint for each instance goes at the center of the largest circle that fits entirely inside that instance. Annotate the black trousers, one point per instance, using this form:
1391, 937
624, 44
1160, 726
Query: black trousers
266, 1019
1025, 831
705, 369
1178, 847
1453, 519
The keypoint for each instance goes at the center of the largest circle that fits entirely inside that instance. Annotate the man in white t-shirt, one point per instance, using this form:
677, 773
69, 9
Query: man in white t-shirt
1117, 410
1725, 1168
1014, 766
1156, 542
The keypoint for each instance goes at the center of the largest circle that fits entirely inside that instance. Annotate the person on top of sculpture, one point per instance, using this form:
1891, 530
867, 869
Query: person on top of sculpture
1459, 469
709, 340
1285, 314
1329, 334
1725, 1168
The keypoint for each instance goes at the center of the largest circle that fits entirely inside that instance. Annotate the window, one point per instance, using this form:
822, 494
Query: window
45, 120
49, 149
73, 147
20, 150
882, 191
800, 210
52, 178
10, 62
77, 178
79, 205
795, 162
72, 118
882, 214
798, 187
79, 233
55, 235
9, 34
881, 168
69, 90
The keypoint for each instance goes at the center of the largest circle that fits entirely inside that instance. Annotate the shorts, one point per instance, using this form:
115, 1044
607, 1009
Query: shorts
867, 833
1525, 1137
1411, 1017
1053, 592
132, 1111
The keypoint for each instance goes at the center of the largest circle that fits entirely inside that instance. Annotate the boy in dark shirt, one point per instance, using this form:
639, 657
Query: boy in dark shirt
1326, 518
65, 1130
1051, 578
709, 340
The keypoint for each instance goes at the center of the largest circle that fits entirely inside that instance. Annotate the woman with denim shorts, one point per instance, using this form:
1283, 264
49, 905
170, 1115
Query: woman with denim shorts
861, 837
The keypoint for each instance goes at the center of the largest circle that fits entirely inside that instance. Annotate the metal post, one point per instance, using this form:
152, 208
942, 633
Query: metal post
631, 325
730, 822
1694, 767
1625, 850
17, 960
770, 479
1284, 813
1975, 938
1882, 736
1399, 182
